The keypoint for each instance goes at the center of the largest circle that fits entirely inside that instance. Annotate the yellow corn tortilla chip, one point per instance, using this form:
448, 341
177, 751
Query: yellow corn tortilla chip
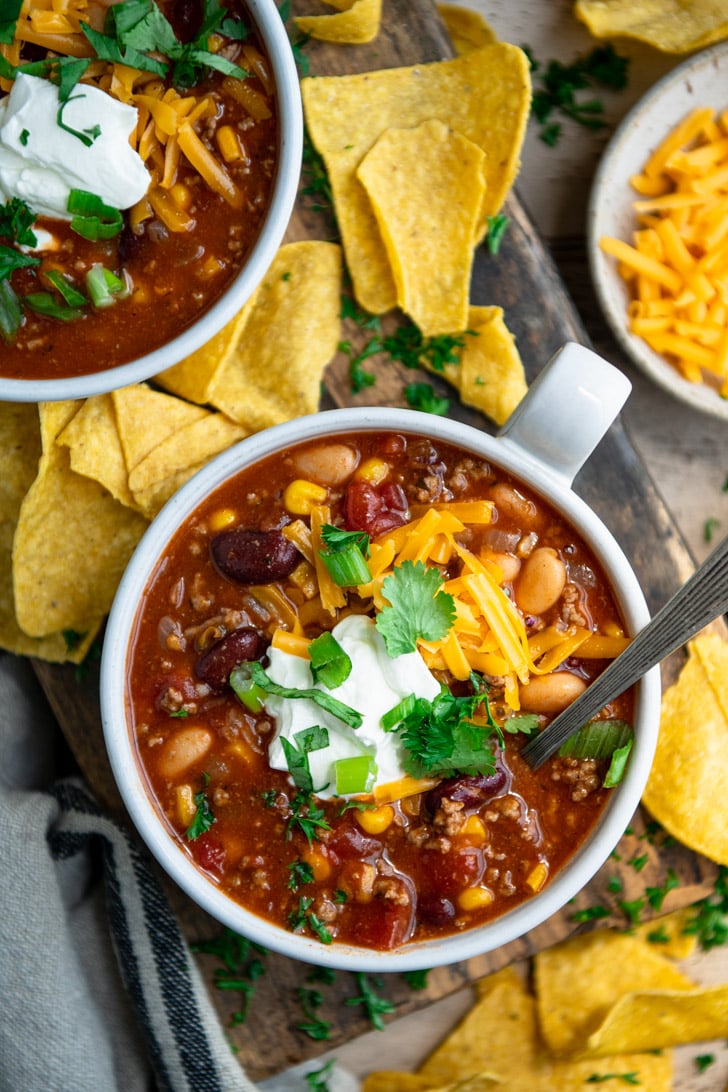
688, 783
426, 187
168, 465
191, 378
656, 1019
20, 450
672, 26
292, 331
358, 21
484, 95
467, 28
145, 418
579, 981
72, 540
500, 1035
93, 441
492, 378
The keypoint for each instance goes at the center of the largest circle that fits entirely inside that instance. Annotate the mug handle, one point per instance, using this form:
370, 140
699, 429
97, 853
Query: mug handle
566, 411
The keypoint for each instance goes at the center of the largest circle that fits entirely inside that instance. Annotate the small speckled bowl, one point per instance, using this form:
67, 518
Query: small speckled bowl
700, 81
273, 34
544, 443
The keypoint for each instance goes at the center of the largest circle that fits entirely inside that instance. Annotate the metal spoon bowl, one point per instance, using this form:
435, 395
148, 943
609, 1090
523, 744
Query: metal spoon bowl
702, 599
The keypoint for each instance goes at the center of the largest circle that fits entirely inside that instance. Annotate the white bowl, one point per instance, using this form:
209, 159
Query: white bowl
561, 420
273, 34
700, 81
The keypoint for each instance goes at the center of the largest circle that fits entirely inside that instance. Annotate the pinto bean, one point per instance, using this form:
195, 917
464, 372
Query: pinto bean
327, 464
186, 747
470, 790
551, 693
541, 582
215, 665
254, 557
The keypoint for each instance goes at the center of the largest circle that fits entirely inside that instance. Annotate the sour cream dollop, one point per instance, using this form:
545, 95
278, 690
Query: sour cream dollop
41, 163
376, 684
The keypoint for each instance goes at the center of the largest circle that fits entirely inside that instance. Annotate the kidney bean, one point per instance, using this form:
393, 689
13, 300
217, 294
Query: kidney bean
435, 910
215, 665
471, 790
254, 557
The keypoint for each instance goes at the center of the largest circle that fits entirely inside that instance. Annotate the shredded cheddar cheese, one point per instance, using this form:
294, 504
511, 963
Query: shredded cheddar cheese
677, 264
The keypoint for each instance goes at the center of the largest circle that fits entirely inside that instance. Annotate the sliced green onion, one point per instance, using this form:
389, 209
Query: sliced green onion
355, 774
11, 313
70, 295
398, 713
330, 665
250, 694
597, 739
617, 766
91, 218
43, 303
347, 566
325, 701
310, 739
104, 287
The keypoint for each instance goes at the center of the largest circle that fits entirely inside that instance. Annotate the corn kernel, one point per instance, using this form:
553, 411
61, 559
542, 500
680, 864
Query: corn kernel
222, 518
475, 898
301, 496
375, 820
240, 749
229, 144
320, 865
537, 876
181, 195
185, 803
474, 829
373, 471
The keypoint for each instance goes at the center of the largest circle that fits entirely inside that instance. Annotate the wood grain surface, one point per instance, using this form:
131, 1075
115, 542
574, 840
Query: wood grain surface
525, 281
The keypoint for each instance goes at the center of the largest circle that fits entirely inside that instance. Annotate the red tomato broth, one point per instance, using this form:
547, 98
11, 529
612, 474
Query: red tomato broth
175, 276
429, 873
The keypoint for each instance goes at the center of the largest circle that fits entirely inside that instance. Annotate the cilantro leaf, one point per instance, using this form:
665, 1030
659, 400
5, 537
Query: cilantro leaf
422, 396
16, 222
417, 608
11, 260
203, 817
441, 739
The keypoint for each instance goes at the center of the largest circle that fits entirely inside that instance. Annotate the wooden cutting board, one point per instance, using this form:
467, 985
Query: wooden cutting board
524, 280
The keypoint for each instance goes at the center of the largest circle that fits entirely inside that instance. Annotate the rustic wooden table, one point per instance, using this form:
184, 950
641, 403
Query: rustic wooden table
685, 452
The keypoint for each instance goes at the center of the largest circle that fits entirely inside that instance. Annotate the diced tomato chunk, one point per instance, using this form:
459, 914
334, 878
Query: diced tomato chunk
209, 852
382, 924
448, 873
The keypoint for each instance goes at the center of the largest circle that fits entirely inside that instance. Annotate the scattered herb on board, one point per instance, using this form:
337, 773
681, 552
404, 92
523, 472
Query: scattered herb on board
374, 1005
313, 1026
624, 1078
297, 40
317, 1079
632, 909
424, 397
557, 88
656, 895
703, 1062
710, 921
497, 226
416, 980
590, 913
316, 179
710, 526
242, 966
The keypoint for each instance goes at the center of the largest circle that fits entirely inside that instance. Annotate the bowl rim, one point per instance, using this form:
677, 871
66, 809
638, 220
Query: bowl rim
609, 288
274, 35
130, 778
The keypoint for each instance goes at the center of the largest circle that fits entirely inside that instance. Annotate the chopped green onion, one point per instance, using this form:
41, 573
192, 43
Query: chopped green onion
104, 287
355, 774
70, 295
347, 567
398, 713
45, 304
617, 766
325, 701
597, 739
310, 739
91, 218
330, 665
250, 694
11, 313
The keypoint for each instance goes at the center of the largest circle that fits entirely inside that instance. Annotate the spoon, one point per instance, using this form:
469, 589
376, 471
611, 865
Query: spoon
700, 600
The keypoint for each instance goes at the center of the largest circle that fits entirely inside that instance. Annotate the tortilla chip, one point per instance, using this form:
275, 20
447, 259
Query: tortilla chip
492, 378
72, 541
655, 1019
484, 95
500, 1035
467, 28
292, 331
145, 418
688, 783
419, 180
393, 1080
672, 26
173, 462
192, 377
95, 446
358, 21
579, 981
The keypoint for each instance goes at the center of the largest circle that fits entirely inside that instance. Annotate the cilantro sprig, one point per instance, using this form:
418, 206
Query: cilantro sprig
416, 608
441, 738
